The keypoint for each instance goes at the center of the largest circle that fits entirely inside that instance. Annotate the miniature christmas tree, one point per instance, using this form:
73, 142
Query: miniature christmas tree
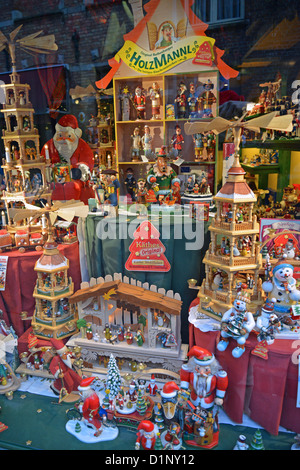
147, 251
141, 406
105, 403
257, 442
77, 427
113, 381
159, 419
158, 444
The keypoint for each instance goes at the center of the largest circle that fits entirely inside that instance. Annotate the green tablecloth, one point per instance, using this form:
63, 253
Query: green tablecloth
36, 423
108, 256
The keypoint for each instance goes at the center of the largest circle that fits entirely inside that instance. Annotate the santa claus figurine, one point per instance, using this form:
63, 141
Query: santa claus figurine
68, 148
152, 388
91, 404
146, 435
61, 367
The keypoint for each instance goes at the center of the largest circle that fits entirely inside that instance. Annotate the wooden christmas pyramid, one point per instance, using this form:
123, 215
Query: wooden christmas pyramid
53, 317
233, 257
25, 171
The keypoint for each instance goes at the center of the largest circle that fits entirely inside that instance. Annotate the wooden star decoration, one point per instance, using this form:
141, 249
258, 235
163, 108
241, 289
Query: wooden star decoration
108, 294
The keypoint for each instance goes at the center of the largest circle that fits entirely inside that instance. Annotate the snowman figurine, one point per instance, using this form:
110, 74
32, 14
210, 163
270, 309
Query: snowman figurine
289, 249
267, 322
282, 288
237, 323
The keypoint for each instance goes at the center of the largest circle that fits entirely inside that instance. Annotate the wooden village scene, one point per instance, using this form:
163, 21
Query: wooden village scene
136, 322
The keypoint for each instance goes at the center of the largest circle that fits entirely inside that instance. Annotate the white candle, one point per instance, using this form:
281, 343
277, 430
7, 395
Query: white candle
108, 161
3, 218
47, 152
7, 155
44, 221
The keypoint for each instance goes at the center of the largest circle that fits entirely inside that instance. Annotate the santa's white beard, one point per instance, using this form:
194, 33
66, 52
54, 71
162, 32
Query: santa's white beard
200, 387
67, 361
66, 148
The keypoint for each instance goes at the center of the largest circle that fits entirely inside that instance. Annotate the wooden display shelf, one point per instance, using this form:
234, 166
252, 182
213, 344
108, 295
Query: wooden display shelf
162, 130
282, 169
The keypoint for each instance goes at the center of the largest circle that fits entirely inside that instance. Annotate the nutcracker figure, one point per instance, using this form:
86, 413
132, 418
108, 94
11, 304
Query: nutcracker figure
155, 100
177, 141
140, 103
181, 101
206, 100
192, 101
208, 383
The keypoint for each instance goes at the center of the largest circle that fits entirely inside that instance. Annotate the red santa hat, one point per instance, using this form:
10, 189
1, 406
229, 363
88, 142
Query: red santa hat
152, 378
69, 122
170, 390
201, 356
146, 426
85, 383
59, 346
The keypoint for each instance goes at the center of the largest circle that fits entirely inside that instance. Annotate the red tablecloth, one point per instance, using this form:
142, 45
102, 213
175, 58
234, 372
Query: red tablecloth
20, 282
264, 389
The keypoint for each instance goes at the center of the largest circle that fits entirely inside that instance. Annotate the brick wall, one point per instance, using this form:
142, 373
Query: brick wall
101, 28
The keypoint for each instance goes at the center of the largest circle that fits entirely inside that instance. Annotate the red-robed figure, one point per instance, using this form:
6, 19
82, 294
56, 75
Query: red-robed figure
61, 368
91, 404
68, 148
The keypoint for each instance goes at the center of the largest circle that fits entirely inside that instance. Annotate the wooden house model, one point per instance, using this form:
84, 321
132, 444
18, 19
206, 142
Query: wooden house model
118, 310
